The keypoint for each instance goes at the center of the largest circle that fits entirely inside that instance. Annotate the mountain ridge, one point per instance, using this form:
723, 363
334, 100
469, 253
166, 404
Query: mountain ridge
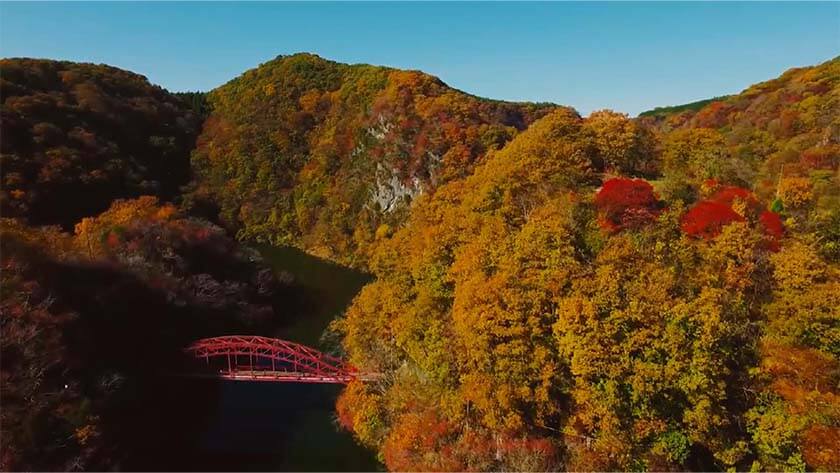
388, 133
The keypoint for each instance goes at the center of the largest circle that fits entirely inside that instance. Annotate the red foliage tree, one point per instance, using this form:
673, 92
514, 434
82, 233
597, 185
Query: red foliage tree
626, 203
728, 194
707, 218
771, 223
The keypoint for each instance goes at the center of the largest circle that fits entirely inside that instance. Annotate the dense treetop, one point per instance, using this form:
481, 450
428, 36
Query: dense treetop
76, 136
318, 154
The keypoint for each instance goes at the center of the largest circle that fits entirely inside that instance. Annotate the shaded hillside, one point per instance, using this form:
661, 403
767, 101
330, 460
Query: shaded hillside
76, 136
323, 155
197, 101
90, 320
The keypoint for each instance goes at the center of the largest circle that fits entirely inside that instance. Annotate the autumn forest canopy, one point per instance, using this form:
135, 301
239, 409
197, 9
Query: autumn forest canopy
549, 291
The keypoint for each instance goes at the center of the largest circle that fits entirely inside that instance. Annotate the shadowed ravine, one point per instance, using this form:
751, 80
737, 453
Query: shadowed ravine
278, 426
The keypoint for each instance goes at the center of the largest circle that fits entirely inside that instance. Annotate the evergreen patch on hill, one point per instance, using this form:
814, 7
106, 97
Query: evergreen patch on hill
691, 107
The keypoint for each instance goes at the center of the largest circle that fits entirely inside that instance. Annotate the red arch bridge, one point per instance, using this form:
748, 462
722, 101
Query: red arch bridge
253, 358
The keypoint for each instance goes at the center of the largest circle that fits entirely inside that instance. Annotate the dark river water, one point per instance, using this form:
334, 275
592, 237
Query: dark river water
259, 426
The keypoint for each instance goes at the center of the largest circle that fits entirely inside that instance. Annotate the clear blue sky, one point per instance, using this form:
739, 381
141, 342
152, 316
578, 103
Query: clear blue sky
625, 56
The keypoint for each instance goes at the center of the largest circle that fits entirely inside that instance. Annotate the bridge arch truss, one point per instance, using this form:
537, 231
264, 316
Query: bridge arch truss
255, 358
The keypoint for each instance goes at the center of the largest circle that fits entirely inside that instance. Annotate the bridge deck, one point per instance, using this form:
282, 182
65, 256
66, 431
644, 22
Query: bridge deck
275, 376
280, 377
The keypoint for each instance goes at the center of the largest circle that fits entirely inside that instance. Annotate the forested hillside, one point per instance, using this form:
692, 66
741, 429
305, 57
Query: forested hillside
76, 136
541, 314
325, 156
779, 138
